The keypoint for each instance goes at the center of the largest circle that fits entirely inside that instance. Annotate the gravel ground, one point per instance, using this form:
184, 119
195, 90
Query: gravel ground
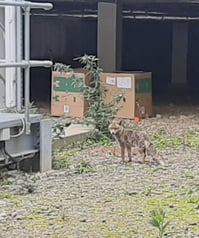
97, 196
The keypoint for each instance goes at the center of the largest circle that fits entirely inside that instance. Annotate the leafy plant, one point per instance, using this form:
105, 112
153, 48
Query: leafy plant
63, 159
6, 196
162, 142
189, 175
191, 139
193, 189
5, 182
99, 111
158, 221
62, 68
84, 167
148, 192
93, 141
58, 129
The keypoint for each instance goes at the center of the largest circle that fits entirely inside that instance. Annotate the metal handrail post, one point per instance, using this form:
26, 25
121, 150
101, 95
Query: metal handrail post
19, 58
27, 69
26, 63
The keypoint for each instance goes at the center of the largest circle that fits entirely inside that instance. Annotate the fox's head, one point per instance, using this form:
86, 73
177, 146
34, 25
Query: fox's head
115, 127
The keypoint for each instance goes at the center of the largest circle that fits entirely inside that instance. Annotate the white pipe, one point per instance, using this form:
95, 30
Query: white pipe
10, 55
162, 18
27, 69
2, 56
136, 16
24, 64
19, 52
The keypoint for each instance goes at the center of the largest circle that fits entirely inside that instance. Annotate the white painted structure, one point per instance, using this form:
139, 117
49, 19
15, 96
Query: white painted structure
7, 52
33, 137
2, 56
10, 56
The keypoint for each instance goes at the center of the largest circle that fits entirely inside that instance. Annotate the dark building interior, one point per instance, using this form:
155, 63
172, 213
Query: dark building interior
70, 30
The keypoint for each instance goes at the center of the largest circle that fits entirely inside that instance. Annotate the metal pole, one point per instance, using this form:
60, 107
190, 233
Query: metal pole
24, 64
10, 55
25, 4
19, 58
27, 69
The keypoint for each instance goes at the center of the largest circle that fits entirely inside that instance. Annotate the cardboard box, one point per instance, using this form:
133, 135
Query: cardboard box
137, 90
66, 99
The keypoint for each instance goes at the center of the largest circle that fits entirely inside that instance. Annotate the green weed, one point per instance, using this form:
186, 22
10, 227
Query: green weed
157, 220
6, 196
84, 167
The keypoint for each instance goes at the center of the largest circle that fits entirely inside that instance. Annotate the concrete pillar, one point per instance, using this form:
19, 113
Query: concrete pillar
109, 41
179, 53
45, 145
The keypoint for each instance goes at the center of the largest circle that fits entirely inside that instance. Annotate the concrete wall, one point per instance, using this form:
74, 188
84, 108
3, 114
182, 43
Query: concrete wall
147, 45
179, 52
2, 56
193, 55
60, 40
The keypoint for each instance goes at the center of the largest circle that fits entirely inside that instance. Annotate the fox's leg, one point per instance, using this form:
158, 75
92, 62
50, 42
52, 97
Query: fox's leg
129, 152
159, 160
122, 152
145, 155
143, 151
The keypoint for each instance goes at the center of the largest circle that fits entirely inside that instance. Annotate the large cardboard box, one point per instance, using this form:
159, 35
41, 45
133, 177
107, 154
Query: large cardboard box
66, 99
137, 90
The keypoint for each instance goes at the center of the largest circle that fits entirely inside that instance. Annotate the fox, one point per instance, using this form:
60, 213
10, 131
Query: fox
128, 138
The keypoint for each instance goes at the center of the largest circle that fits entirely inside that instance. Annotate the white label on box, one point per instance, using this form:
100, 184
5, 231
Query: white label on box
110, 80
66, 108
124, 82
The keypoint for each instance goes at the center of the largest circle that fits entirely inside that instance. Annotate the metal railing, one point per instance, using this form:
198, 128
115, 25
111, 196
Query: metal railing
26, 64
